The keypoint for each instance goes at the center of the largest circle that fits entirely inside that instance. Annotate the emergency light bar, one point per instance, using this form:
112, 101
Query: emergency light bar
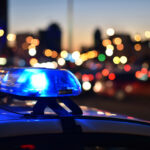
39, 82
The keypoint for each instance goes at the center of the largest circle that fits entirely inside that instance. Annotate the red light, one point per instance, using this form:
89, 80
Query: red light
105, 72
144, 70
127, 68
91, 77
138, 74
28, 147
98, 75
149, 74
85, 77
112, 76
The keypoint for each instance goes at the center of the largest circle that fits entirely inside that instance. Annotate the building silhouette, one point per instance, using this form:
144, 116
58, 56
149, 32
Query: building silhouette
51, 38
3, 25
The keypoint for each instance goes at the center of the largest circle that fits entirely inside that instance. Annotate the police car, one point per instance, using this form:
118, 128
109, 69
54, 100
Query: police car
55, 121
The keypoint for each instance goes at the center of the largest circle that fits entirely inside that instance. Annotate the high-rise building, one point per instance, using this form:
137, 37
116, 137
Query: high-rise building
51, 38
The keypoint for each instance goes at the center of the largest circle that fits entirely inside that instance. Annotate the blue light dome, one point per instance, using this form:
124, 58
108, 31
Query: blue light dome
39, 82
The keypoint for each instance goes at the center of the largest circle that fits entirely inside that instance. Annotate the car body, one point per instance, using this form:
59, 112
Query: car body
94, 128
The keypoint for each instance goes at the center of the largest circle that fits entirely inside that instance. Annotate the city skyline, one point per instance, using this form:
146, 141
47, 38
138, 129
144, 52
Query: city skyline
24, 16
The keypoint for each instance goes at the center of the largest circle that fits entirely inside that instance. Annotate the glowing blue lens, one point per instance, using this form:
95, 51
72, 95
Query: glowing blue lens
35, 82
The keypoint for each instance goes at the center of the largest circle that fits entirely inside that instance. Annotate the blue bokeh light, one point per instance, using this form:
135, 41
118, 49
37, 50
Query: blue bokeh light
39, 82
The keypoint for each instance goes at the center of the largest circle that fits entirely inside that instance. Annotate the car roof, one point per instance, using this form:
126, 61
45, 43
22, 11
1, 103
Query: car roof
92, 121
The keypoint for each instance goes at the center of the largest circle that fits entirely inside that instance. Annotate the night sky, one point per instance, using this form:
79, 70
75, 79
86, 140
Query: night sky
130, 16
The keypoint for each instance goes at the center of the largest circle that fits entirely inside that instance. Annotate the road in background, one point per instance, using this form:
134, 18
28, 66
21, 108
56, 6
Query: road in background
138, 107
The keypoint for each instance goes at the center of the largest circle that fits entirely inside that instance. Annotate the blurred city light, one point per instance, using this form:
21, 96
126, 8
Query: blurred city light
11, 37
106, 42
3, 61
32, 52
110, 47
127, 67
78, 62
110, 31
98, 75
33, 61
116, 60
147, 34
109, 52
1, 32
137, 47
48, 53
29, 39
105, 72
111, 76
117, 41
123, 59
61, 61
97, 87
120, 47
86, 86
76, 55
54, 54
101, 57
64, 54
137, 38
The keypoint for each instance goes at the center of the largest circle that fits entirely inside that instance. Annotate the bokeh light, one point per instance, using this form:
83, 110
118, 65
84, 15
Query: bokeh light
111, 76
137, 38
105, 72
110, 31
32, 52
137, 47
106, 42
61, 61
86, 86
11, 37
120, 47
54, 54
97, 87
33, 61
123, 59
101, 57
48, 52
64, 54
147, 34
109, 52
116, 60
1, 32
3, 61
127, 67
117, 41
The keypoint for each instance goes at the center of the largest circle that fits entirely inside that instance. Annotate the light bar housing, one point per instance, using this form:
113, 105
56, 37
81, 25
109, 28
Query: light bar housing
39, 82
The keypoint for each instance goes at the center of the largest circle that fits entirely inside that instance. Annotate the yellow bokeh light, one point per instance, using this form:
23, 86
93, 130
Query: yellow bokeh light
147, 34
48, 53
137, 38
1, 32
110, 47
33, 61
117, 41
35, 42
116, 60
137, 47
31, 46
64, 54
106, 42
120, 47
84, 57
92, 54
11, 37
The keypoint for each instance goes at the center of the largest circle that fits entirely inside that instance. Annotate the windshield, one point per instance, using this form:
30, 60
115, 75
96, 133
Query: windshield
106, 44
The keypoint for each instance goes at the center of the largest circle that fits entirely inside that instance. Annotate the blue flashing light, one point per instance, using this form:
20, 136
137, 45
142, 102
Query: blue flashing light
39, 82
